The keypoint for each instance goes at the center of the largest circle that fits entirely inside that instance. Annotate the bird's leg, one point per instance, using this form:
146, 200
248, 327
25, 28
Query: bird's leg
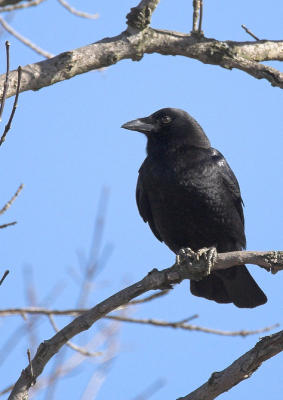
198, 263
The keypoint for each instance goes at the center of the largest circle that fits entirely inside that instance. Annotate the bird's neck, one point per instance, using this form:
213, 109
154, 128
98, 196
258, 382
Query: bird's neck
158, 149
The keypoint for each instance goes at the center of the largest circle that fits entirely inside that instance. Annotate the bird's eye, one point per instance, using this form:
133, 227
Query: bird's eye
166, 119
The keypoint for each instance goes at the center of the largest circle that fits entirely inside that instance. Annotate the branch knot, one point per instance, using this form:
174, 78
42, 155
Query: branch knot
139, 18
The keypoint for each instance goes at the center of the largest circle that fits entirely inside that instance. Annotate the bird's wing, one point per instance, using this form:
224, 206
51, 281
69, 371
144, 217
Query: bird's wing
231, 183
144, 205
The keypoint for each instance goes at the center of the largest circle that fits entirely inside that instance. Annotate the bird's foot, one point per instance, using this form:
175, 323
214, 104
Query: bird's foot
198, 263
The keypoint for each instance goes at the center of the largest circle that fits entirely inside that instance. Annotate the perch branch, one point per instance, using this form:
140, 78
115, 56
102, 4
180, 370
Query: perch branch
241, 369
272, 260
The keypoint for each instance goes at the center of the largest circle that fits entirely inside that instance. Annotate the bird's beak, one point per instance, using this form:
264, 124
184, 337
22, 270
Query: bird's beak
144, 125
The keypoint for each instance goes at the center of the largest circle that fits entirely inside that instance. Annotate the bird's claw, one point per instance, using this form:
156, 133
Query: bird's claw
210, 256
199, 263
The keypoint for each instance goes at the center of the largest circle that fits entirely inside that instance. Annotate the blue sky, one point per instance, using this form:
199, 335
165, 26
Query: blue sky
66, 145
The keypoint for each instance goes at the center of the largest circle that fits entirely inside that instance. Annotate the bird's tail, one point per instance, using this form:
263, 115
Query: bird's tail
232, 285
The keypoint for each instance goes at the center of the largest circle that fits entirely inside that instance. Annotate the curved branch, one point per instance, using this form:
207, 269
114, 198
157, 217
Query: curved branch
241, 369
154, 280
240, 55
24, 40
76, 12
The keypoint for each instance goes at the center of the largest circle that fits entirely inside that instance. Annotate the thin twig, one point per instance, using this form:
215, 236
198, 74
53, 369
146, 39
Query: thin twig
200, 18
249, 32
196, 7
3, 226
77, 12
149, 321
73, 346
31, 367
188, 327
6, 83
149, 298
24, 40
11, 201
7, 389
4, 276
19, 6
93, 263
15, 105
151, 389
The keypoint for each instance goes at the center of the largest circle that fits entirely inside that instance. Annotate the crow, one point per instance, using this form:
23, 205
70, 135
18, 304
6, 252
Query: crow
190, 197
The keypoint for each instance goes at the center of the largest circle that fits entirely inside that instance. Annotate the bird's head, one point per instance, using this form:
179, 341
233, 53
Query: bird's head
171, 127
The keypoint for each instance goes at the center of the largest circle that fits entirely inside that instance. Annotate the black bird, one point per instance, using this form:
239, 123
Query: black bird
190, 197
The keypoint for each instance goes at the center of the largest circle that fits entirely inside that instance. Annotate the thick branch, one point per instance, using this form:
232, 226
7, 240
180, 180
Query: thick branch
241, 369
241, 55
154, 280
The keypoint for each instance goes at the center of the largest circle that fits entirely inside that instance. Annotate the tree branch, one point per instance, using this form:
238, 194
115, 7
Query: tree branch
241, 369
240, 55
148, 321
19, 6
6, 273
154, 280
189, 327
11, 201
24, 40
78, 13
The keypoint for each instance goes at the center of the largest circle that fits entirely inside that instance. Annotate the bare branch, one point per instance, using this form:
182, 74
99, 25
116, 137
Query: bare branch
153, 281
72, 10
241, 369
6, 83
20, 6
249, 32
30, 366
240, 55
149, 298
6, 390
197, 17
189, 327
24, 40
149, 321
15, 105
4, 276
151, 389
11, 201
3, 226
73, 346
